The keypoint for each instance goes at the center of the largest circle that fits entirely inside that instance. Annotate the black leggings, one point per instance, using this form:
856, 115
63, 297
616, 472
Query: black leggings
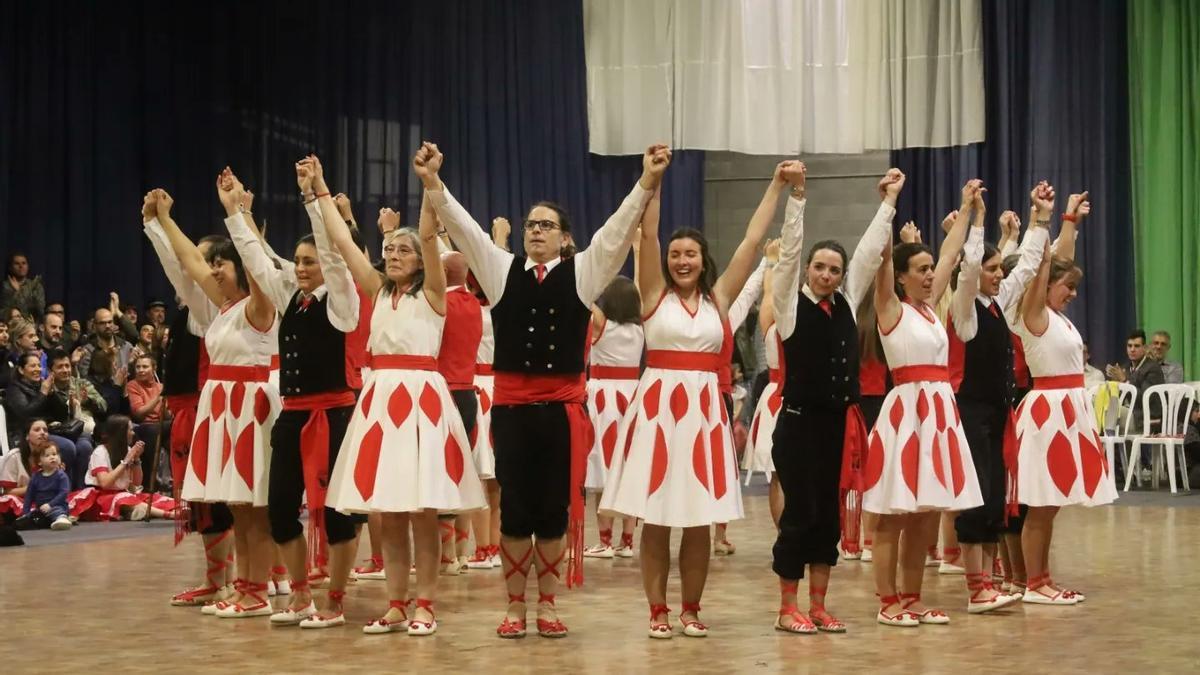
468, 404
286, 488
807, 450
533, 467
216, 517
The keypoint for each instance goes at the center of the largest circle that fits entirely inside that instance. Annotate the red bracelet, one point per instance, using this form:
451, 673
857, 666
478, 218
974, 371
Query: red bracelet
1071, 218
323, 194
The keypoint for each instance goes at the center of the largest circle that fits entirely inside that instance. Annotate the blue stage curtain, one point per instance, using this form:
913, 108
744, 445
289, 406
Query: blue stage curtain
103, 101
1057, 109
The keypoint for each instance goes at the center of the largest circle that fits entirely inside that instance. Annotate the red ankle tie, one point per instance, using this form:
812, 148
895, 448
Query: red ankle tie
279, 569
655, 610
693, 607
606, 537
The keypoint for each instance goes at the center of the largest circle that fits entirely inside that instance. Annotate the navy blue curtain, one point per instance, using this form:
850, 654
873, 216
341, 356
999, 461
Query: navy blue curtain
103, 101
1057, 108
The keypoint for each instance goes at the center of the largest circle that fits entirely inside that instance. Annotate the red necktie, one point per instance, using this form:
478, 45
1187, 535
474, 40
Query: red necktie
541, 272
826, 305
305, 301
995, 312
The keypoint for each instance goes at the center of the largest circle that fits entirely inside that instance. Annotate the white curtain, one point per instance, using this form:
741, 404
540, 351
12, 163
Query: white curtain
783, 76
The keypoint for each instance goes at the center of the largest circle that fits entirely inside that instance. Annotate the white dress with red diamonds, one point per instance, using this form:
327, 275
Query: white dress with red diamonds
1060, 460
401, 452
614, 361
230, 458
766, 413
485, 389
108, 502
675, 465
917, 456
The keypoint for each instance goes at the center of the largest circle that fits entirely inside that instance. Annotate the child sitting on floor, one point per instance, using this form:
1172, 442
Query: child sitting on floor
46, 494
115, 471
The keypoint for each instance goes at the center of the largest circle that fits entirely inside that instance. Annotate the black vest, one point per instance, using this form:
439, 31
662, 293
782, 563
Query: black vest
988, 360
541, 329
821, 357
181, 363
312, 352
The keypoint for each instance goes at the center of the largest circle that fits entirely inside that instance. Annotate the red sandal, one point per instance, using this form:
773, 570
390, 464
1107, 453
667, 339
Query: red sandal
511, 629
660, 630
384, 625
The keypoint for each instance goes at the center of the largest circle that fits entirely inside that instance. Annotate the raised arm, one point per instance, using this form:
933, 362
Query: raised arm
647, 271
766, 311
487, 261
599, 263
335, 227
431, 255
343, 306
202, 310
972, 194
598, 320
785, 285
733, 279
277, 285
260, 311
1078, 207
186, 252
1032, 247
962, 305
865, 261
1033, 307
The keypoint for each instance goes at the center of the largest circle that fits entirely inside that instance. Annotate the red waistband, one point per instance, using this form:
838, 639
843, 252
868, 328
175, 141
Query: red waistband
238, 373
483, 369
402, 362
774, 375
322, 401
925, 372
274, 362
614, 372
1059, 382
523, 388
675, 360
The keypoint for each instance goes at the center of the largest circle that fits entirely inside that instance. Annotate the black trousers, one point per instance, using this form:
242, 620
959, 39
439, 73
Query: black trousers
871, 405
468, 405
533, 467
219, 516
807, 450
983, 424
285, 492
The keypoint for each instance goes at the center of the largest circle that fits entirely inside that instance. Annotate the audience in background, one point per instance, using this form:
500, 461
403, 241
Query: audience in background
7, 359
1142, 371
1160, 348
51, 331
20, 291
1091, 374
104, 378
144, 392
156, 313
46, 493
106, 339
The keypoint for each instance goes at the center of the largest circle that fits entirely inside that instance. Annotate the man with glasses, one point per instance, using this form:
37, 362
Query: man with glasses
107, 338
1160, 347
541, 312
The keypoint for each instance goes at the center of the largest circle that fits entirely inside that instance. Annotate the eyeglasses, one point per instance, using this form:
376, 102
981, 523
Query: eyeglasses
543, 225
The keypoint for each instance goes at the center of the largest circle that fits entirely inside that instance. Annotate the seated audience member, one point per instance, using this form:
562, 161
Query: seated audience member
103, 376
72, 408
145, 405
107, 339
23, 337
7, 363
1160, 348
46, 493
115, 471
20, 291
156, 313
14, 480
25, 397
144, 345
1142, 371
1091, 374
51, 331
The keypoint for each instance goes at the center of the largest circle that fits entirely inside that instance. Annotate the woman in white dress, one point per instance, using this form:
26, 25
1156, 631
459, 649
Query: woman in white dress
613, 369
231, 446
485, 523
770, 402
675, 465
918, 463
1060, 460
402, 455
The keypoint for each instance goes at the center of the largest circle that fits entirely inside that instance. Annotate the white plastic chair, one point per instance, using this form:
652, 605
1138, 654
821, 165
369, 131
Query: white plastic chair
1111, 437
1173, 400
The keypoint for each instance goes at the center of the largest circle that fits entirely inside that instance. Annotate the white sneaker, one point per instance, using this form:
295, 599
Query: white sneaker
291, 617
450, 568
951, 568
931, 561
283, 587
623, 551
61, 523
139, 511
599, 551
463, 565
866, 555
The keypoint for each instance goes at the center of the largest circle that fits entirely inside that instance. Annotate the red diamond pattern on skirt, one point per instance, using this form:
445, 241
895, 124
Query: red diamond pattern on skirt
754, 430
1103, 454
658, 461
939, 470
243, 455
706, 403
226, 449
873, 466
939, 411
775, 401
217, 402
237, 398
957, 477
896, 414
700, 460
679, 402
608, 442
485, 401
199, 453
599, 401
1092, 462
622, 403
262, 406
628, 442
716, 441
1061, 463
922, 406
454, 459
399, 405
909, 457
431, 404
1068, 410
367, 462
957, 418
650, 400
366, 401
1040, 410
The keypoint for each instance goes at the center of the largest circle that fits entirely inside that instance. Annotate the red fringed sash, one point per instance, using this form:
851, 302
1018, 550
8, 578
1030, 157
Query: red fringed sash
854, 457
581, 444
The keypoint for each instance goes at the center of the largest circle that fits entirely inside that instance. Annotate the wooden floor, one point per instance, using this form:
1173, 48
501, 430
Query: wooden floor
104, 604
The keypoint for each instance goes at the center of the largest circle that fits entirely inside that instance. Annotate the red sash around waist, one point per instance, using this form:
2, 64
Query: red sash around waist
325, 400
238, 373
1059, 382
774, 375
614, 372
676, 360
402, 362
483, 369
925, 372
274, 362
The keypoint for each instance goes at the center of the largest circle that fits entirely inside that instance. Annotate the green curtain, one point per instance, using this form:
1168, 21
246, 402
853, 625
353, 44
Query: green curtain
1164, 84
